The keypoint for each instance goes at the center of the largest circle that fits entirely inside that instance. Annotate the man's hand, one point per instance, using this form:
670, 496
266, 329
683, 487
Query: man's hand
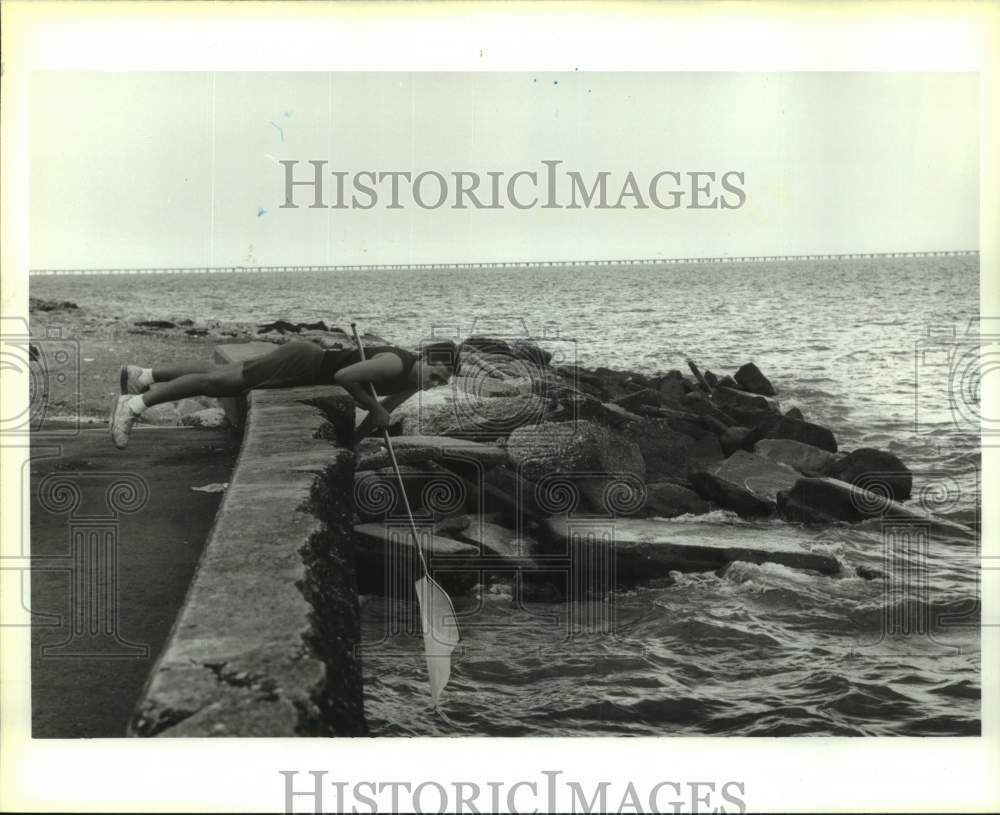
388, 404
380, 417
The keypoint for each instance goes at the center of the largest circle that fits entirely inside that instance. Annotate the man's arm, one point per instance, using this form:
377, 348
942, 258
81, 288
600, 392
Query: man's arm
362, 394
389, 403
359, 380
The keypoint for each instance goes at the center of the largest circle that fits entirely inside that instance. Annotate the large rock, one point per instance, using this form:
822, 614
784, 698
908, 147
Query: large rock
497, 541
451, 525
682, 420
451, 412
541, 449
622, 417
876, 470
546, 394
665, 499
590, 459
750, 378
745, 483
373, 454
646, 549
504, 353
281, 326
673, 385
388, 562
373, 535
155, 324
187, 407
530, 351
505, 491
669, 454
583, 380
207, 417
825, 500
431, 490
690, 425
479, 384
805, 458
733, 439
567, 404
603, 383
161, 414
747, 408
639, 398
786, 427
698, 403
37, 304
506, 498
376, 492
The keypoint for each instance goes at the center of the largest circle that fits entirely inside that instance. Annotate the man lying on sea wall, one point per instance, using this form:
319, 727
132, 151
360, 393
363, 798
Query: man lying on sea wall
395, 373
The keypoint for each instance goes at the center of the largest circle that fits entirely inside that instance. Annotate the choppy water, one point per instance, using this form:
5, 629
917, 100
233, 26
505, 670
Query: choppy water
764, 650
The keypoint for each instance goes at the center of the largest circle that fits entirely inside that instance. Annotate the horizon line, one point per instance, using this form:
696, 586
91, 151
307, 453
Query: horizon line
259, 269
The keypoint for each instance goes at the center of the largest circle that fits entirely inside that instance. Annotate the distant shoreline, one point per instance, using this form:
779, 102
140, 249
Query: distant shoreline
543, 264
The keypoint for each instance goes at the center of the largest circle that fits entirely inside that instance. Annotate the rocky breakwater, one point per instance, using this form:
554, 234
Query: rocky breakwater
547, 470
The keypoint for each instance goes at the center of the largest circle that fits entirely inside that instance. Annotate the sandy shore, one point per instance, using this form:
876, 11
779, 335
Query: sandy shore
98, 346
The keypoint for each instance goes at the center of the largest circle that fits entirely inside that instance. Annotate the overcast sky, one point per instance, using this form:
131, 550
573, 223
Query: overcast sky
180, 169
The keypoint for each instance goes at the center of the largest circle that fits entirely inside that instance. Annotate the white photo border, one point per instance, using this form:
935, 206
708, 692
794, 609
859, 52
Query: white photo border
800, 774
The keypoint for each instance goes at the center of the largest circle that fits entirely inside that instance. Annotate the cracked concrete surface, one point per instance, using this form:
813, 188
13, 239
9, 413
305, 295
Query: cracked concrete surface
264, 644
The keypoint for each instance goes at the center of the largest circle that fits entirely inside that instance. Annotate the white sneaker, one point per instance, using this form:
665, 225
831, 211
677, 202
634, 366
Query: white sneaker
121, 421
128, 379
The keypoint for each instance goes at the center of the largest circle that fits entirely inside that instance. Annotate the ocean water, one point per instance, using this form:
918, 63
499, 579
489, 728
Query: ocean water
884, 351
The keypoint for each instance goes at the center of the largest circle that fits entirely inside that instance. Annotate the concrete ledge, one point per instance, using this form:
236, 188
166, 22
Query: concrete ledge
264, 644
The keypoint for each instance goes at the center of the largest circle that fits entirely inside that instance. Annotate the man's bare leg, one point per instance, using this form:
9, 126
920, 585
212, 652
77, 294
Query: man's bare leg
136, 379
170, 372
220, 380
215, 380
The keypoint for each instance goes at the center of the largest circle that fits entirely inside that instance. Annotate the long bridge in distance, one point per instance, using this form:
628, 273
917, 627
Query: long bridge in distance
540, 264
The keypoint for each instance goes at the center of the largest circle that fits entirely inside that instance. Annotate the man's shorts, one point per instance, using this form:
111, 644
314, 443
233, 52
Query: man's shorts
292, 365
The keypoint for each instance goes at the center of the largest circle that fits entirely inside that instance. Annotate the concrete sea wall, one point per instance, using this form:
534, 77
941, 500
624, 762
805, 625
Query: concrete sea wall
265, 642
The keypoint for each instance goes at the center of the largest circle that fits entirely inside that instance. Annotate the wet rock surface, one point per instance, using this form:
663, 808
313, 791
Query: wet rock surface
665, 499
745, 483
645, 549
805, 458
788, 427
827, 500
592, 459
876, 470
678, 443
750, 378
747, 408
373, 454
